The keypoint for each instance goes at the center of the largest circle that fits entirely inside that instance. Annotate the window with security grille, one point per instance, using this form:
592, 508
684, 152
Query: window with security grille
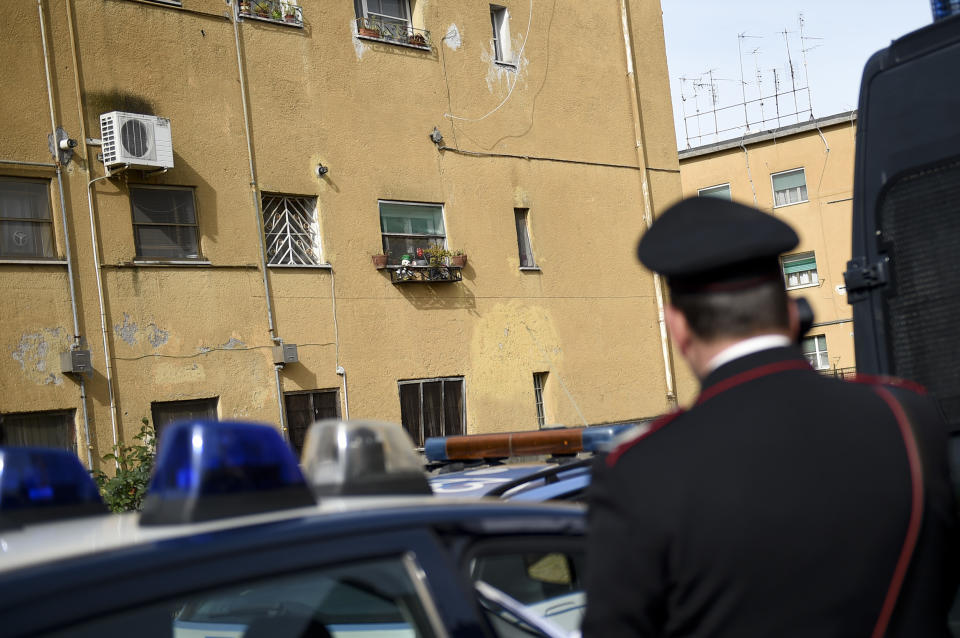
164, 222
409, 229
303, 408
292, 230
52, 428
720, 192
815, 350
800, 270
26, 225
432, 407
789, 187
539, 380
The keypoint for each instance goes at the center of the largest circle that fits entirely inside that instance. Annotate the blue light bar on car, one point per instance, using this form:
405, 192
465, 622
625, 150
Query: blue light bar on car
42, 484
216, 469
944, 9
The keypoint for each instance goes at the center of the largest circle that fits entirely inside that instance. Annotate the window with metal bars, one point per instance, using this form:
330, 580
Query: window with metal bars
26, 226
539, 381
292, 230
432, 407
303, 408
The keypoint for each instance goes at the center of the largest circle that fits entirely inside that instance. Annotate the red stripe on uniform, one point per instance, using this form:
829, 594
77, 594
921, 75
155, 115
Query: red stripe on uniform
656, 425
750, 375
873, 379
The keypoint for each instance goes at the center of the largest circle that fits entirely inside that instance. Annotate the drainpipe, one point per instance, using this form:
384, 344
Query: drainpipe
258, 212
647, 202
66, 230
336, 342
107, 355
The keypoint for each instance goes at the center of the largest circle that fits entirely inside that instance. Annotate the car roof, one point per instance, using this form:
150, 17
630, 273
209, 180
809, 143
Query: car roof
54, 541
526, 477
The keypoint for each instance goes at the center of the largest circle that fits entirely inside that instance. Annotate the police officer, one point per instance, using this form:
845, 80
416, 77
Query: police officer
782, 502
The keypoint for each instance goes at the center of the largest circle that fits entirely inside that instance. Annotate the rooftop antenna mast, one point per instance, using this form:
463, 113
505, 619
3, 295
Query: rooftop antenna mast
803, 53
776, 94
683, 106
756, 64
793, 82
743, 85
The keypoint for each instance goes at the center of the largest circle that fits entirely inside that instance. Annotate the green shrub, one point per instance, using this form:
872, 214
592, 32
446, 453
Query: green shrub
124, 491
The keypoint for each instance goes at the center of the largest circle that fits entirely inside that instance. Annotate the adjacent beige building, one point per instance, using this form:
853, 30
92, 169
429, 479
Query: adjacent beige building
238, 164
803, 174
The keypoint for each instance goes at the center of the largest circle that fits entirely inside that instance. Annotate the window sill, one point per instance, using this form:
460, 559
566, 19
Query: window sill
34, 262
171, 262
297, 24
775, 206
810, 285
398, 43
507, 65
530, 268
307, 266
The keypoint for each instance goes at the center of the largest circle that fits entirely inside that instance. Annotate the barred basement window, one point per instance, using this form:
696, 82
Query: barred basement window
292, 230
539, 380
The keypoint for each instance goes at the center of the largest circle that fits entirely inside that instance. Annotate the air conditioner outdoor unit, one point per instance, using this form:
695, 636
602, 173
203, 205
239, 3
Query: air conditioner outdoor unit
135, 141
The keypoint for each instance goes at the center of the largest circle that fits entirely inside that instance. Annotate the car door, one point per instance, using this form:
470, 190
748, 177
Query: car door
279, 580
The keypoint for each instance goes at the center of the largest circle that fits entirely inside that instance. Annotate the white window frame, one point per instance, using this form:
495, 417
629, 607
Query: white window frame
521, 217
305, 229
788, 203
701, 192
818, 354
813, 275
500, 22
394, 260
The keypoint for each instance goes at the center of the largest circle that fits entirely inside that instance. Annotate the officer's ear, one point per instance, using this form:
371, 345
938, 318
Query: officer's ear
678, 327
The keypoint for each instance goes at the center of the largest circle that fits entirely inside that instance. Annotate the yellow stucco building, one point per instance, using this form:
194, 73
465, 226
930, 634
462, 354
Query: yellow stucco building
206, 246
803, 174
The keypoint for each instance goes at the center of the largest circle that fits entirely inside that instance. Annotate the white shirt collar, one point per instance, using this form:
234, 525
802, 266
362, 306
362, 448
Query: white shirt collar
745, 347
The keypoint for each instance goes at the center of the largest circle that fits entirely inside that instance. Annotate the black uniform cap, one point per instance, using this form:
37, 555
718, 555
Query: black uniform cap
705, 244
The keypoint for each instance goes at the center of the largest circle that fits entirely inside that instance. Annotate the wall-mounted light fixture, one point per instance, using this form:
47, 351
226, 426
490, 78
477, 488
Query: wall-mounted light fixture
322, 170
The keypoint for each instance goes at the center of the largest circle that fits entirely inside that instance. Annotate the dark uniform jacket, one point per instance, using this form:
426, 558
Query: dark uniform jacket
777, 506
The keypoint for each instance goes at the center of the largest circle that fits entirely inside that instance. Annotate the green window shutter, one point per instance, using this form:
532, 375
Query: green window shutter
720, 192
793, 179
799, 265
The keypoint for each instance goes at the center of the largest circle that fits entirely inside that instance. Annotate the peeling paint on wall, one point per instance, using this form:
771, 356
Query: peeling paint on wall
358, 45
232, 344
39, 354
502, 78
127, 330
452, 38
157, 336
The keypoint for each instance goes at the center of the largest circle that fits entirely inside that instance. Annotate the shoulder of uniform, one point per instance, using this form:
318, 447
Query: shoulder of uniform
873, 379
658, 424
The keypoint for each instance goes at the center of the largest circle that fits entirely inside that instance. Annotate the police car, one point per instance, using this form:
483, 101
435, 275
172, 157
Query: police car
485, 464
235, 540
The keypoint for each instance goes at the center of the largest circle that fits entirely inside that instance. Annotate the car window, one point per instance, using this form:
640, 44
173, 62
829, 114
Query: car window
358, 600
547, 582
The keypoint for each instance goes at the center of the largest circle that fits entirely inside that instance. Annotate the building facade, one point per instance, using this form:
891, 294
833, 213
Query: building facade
803, 174
192, 194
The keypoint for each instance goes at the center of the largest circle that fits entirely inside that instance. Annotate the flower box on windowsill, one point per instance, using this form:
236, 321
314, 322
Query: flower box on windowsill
424, 274
393, 32
276, 11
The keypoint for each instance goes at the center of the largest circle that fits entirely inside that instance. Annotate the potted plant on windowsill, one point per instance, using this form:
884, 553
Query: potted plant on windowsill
417, 39
368, 28
380, 259
458, 258
245, 7
290, 13
276, 14
261, 8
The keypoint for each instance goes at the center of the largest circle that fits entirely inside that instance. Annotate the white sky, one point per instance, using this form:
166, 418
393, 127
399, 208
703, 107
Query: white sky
703, 34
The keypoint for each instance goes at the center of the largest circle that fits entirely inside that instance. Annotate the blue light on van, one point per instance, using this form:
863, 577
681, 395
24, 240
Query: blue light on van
944, 8
216, 469
43, 484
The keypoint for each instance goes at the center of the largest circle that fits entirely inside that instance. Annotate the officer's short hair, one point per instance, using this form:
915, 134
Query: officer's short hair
737, 313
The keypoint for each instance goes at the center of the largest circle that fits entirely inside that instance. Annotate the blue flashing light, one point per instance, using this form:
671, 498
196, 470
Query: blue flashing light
944, 9
43, 484
215, 469
435, 448
599, 438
